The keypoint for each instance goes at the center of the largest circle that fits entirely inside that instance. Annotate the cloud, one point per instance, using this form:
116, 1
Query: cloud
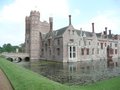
103, 19
16, 11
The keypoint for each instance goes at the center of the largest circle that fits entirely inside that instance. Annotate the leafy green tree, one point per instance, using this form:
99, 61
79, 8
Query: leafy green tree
9, 48
1, 49
22, 47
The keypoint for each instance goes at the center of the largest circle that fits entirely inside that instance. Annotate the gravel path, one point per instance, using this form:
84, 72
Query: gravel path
4, 82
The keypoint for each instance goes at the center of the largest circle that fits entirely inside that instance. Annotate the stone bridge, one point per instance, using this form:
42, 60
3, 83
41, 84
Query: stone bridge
16, 56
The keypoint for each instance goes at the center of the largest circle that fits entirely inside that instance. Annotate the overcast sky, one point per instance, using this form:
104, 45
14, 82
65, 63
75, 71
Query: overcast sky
104, 13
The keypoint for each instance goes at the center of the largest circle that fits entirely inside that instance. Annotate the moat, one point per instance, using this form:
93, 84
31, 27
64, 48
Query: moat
83, 72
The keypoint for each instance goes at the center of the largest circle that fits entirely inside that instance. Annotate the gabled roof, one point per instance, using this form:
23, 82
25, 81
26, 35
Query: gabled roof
61, 31
88, 34
98, 35
110, 36
56, 33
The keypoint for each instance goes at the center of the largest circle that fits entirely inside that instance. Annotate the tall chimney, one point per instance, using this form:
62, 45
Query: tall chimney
109, 32
69, 19
92, 27
80, 31
51, 23
106, 30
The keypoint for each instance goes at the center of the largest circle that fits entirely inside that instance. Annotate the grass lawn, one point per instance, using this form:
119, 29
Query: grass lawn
23, 79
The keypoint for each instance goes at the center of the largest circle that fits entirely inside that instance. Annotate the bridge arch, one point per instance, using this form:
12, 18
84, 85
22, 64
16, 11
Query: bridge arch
9, 59
18, 59
27, 59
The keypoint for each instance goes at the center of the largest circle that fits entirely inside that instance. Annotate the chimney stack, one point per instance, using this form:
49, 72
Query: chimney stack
80, 31
51, 23
69, 19
106, 30
109, 32
92, 27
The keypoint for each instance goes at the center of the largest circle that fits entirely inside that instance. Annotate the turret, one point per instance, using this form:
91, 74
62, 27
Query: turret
35, 17
35, 13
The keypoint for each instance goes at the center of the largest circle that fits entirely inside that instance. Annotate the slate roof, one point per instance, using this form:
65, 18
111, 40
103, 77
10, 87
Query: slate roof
98, 35
61, 31
56, 33
110, 36
88, 34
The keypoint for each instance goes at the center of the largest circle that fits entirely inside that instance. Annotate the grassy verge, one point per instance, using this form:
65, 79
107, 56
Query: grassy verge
23, 79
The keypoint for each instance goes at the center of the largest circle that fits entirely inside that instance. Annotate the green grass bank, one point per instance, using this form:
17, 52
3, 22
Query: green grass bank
23, 79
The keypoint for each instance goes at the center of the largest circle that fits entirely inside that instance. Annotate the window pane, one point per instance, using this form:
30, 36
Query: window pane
70, 49
74, 55
82, 51
87, 51
70, 55
74, 49
101, 45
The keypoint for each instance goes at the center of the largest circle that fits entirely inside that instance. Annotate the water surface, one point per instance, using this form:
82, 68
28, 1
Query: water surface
83, 72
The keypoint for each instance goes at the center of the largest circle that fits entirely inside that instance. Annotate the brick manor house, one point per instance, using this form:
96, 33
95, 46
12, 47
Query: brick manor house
67, 44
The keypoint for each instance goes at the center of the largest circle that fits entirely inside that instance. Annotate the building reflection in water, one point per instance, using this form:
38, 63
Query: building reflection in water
74, 72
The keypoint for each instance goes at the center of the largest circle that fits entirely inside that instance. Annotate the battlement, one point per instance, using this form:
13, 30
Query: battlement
27, 18
35, 13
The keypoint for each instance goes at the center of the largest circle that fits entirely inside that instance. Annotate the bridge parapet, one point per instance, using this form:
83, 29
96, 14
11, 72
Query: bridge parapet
14, 56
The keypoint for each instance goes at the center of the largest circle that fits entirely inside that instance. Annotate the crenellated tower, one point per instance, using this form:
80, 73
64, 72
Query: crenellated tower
33, 33
32, 42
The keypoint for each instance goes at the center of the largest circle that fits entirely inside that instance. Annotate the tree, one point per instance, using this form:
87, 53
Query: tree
7, 47
1, 49
22, 47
